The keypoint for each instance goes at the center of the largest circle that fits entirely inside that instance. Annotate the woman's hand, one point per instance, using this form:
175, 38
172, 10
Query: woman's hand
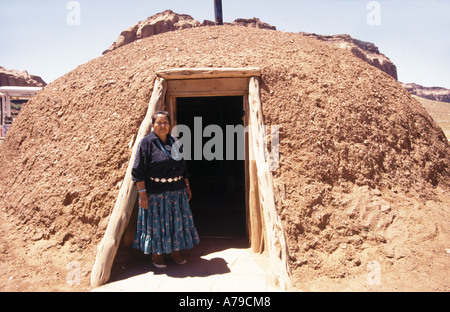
143, 197
188, 189
143, 200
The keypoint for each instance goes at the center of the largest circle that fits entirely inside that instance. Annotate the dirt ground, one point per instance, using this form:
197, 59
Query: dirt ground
417, 261
361, 188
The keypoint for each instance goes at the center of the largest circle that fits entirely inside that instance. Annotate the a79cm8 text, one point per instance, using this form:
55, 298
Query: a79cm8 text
226, 302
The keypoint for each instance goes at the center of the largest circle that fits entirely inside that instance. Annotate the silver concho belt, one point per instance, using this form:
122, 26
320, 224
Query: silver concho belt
170, 180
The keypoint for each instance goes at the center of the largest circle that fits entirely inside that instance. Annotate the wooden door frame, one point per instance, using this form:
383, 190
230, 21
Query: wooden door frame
192, 86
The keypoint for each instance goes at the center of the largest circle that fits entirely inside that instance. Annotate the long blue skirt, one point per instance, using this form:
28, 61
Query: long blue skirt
167, 225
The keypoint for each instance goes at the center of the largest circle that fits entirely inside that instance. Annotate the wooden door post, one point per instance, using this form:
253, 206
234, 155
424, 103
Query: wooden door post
274, 239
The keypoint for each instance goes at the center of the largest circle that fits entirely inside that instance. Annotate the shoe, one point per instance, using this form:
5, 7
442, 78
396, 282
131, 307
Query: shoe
177, 258
158, 261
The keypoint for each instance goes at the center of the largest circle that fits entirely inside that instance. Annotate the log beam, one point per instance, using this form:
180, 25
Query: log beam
274, 235
208, 73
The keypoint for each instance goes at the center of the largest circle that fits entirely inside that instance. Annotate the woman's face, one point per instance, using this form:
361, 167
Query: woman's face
161, 126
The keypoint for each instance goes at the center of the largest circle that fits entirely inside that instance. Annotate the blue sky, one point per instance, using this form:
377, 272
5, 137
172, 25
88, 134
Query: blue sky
35, 35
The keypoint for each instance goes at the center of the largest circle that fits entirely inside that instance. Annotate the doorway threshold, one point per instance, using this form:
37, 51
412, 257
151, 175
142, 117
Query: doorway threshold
212, 266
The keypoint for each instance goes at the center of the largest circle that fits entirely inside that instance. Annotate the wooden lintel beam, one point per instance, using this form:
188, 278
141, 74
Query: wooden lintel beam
208, 73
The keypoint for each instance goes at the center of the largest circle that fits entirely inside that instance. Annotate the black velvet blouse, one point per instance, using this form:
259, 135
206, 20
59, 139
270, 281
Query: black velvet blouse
153, 162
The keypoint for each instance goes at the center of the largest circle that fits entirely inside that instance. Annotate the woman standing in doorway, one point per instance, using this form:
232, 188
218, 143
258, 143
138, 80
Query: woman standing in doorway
165, 223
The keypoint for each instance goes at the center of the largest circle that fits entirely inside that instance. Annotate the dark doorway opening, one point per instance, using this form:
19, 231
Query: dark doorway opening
218, 186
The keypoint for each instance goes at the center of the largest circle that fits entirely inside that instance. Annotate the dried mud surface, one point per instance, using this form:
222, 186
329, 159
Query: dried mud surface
361, 188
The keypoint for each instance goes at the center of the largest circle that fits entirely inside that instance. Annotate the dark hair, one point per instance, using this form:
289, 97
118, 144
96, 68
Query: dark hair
160, 113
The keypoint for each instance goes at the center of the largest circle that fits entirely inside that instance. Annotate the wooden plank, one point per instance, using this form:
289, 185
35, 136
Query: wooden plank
202, 73
256, 233
107, 249
247, 173
275, 240
207, 87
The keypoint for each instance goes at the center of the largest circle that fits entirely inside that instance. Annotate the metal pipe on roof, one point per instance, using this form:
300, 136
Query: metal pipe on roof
218, 12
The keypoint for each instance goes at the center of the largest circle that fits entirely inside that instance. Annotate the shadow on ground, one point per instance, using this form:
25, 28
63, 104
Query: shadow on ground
130, 262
